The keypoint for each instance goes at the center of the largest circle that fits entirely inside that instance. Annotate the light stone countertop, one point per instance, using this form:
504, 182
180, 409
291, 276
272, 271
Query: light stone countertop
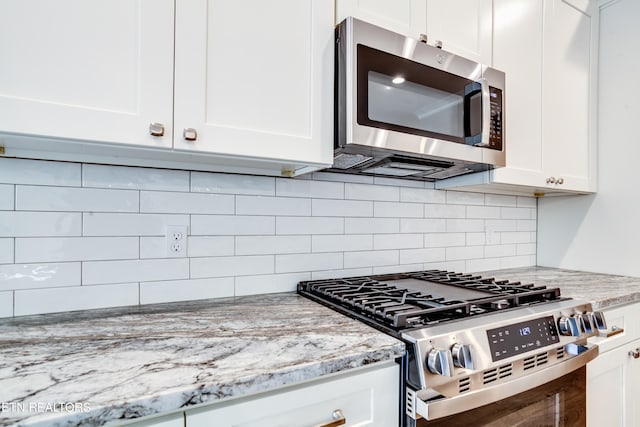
131, 362
602, 290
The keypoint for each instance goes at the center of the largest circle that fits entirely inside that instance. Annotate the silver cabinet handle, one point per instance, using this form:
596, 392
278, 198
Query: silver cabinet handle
156, 129
635, 353
438, 44
560, 181
337, 419
551, 180
423, 38
190, 134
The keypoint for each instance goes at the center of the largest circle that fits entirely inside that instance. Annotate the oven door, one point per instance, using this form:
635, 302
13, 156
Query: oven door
559, 403
552, 396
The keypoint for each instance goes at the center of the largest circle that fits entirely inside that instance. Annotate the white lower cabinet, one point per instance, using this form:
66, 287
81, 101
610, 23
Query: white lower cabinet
613, 378
367, 397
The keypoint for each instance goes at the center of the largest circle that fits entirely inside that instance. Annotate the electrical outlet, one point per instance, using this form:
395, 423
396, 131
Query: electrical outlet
176, 241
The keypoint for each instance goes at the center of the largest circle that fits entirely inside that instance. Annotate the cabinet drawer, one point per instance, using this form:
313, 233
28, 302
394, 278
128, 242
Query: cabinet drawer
625, 316
366, 398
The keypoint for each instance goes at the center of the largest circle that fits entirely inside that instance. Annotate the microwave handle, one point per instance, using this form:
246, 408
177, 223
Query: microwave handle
482, 87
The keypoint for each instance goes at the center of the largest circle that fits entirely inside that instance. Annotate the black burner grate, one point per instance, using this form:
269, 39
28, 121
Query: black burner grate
385, 303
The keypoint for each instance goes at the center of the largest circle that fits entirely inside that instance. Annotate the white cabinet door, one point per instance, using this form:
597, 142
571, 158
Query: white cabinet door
613, 384
568, 92
255, 78
406, 17
463, 26
368, 398
97, 70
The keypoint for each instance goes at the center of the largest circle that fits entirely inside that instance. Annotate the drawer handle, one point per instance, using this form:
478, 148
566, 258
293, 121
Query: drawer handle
338, 419
635, 353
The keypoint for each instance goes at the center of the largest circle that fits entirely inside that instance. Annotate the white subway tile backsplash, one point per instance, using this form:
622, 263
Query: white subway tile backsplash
90, 236
185, 290
287, 187
308, 262
37, 301
313, 225
262, 205
6, 197
371, 192
263, 245
413, 256
527, 202
231, 266
208, 182
132, 178
463, 198
59, 249
467, 252
103, 272
124, 224
486, 264
27, 224
6, 251
347, 272
500, 200
371, 225
343, 208
526, 249
397, 210
443, 240
488, 212
39, 172
499, 251
43, 275
61, 199
515, 237
341, 243
339, 177
516, 213
228, 225
397, 241
186, 203
207, 246
422, 195
268, 284
410, 225
404, 268
444, 211
371, 258
6, 304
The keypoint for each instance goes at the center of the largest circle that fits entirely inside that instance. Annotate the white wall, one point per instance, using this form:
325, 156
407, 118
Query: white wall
77, 236
601, 232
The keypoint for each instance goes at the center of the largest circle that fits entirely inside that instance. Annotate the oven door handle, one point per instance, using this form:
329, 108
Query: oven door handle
446, 406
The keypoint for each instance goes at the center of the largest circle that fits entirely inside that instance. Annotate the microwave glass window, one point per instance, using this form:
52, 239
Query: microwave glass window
395, 100
399, 94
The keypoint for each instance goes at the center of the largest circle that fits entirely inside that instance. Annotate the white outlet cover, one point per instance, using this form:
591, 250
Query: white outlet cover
176, 241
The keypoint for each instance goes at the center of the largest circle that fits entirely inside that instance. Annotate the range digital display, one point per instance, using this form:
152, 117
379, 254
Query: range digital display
518, 338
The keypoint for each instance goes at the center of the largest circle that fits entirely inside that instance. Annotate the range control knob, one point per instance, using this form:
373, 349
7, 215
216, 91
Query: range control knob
440, 362
569, 326
462, 356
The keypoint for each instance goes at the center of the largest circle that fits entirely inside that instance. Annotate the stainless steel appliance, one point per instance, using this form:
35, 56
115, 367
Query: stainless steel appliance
408, 109
477, 348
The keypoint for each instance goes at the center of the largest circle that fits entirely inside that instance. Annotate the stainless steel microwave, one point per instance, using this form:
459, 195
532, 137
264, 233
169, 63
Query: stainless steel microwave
408, 109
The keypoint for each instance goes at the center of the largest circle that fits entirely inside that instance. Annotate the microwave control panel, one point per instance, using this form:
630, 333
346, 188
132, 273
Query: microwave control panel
495, 132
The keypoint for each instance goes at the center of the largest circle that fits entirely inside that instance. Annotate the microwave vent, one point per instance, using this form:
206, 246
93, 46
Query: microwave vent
348, 161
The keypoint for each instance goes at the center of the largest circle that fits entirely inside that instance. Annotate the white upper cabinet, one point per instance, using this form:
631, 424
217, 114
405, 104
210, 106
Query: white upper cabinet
251, 91
408, 17
255, 78
548, 50
463, 27
98, 71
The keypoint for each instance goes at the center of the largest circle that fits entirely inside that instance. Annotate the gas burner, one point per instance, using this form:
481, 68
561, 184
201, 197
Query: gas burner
418, 299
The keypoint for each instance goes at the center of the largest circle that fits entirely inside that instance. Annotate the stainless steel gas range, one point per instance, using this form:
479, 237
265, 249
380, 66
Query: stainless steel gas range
477, 349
